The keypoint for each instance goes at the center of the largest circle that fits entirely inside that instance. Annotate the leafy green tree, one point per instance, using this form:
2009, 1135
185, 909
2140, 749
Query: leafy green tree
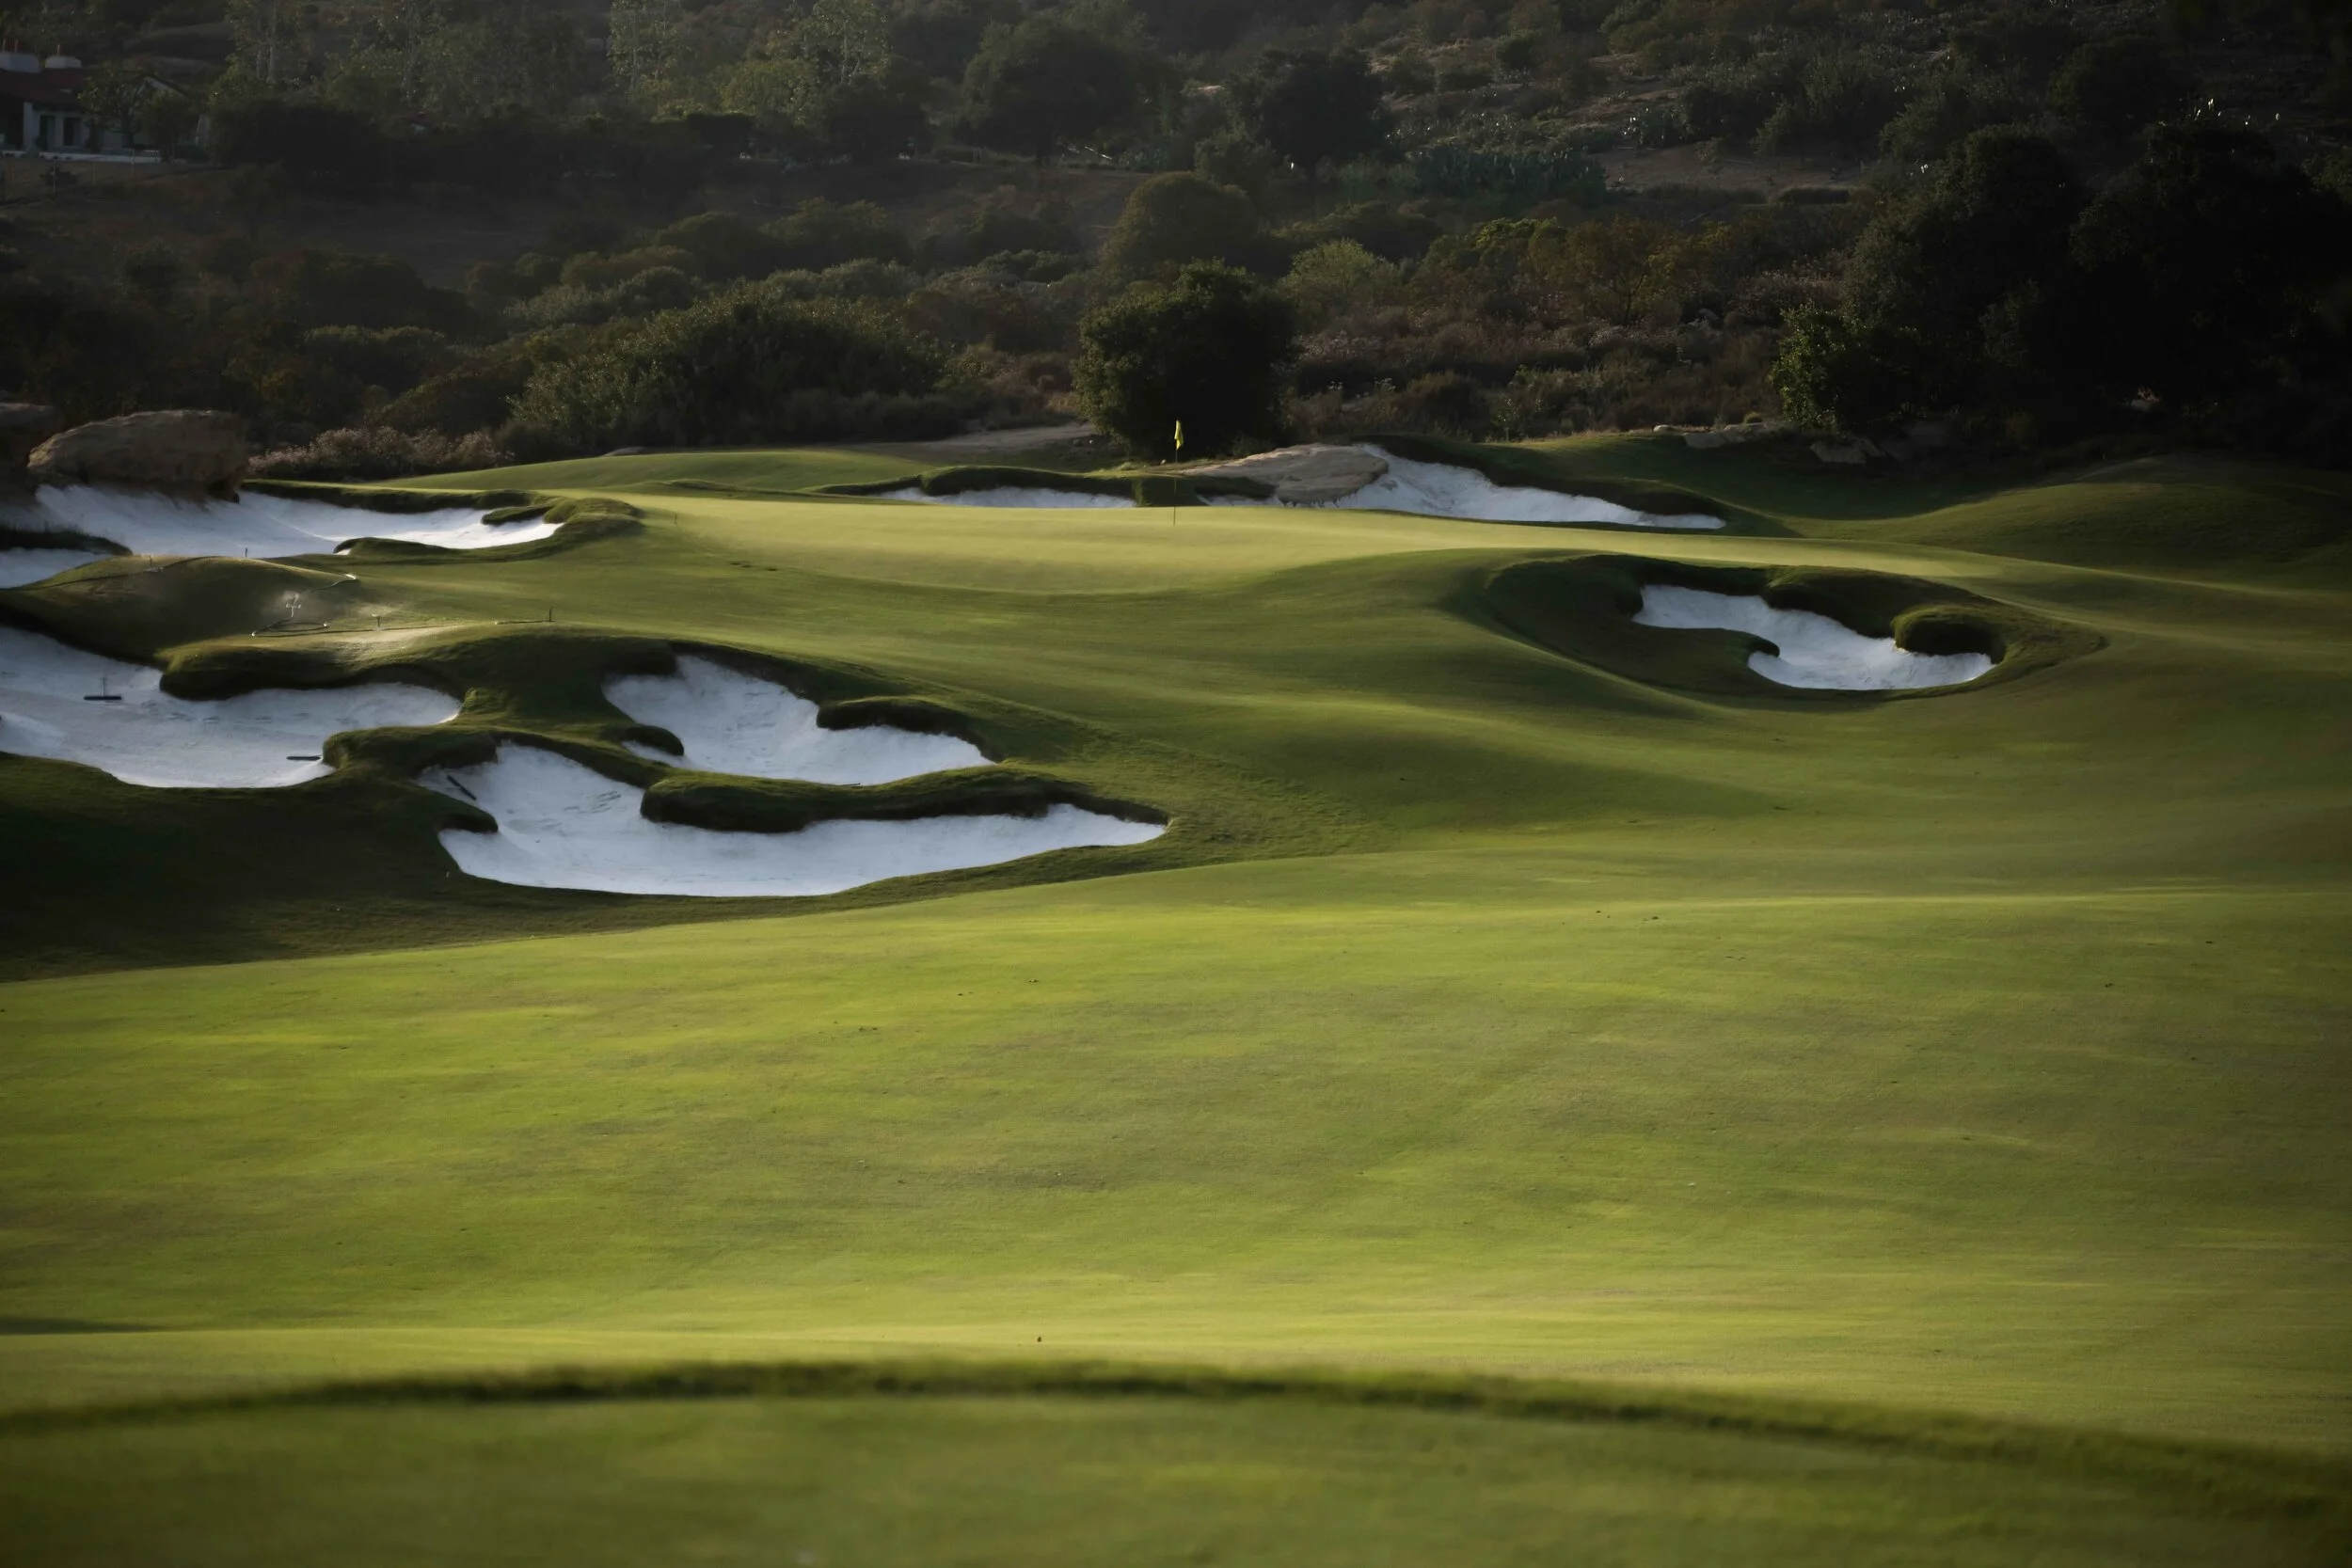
1034, 86
748, 365
1314, 108
1209, 349
1174, 218
167, 120
877, 116
1984, 244
115, 94
2203, 259
2115, 85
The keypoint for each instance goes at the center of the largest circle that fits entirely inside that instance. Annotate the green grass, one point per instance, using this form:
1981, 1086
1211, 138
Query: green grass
1489, 1009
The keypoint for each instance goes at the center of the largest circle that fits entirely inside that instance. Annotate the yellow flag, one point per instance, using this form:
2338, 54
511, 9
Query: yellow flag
1180, 437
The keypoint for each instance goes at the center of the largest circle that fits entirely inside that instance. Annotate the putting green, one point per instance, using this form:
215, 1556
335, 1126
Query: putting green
1481, 1009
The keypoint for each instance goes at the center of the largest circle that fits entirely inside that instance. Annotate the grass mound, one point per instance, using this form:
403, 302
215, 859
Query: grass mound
919, 1463
1496, 1001
1584, 607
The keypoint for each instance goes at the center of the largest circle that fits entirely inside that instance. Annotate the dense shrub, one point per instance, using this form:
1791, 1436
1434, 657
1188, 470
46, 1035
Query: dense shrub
1843, 101
389, 358
2226, 246
722, 248
1208, 350
1450, 170
821, 234
327, 287
1175, 218
1387, 230
1950, 107
375, 452
2116, 85
1971, 257
1313, 108
1036, 86
742, 368
323, 150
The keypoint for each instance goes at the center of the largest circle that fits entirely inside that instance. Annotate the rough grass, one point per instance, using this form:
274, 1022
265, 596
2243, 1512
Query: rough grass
1506, 1012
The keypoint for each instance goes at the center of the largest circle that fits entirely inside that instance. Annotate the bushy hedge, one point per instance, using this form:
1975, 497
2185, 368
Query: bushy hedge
747, 367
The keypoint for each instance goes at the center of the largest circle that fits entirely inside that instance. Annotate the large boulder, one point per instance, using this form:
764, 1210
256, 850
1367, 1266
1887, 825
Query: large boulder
182, 451
1305, 476
22, 427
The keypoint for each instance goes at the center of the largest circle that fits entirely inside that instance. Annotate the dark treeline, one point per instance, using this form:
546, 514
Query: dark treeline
2036, 225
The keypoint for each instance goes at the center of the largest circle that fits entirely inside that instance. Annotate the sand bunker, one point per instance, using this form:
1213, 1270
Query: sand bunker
1814, 651
562, 825
1012, 496
1362, 478
19, 567
1448, 490
731, 722
262, 526
258, 740
1443, 490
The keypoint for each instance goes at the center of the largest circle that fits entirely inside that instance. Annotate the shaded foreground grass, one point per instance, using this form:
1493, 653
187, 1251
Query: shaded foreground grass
942, 1463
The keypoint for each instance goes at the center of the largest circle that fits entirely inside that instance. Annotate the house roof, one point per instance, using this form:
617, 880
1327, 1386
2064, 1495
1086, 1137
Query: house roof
43, 90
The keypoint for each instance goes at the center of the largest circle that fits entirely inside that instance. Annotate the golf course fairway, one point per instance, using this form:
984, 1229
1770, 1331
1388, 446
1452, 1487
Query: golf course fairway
1541, 1098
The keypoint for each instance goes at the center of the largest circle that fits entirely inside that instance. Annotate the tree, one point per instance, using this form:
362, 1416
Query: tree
1313, 107
115, 93
167, 120
2116, 85
2203, 259
1209, 350
874, 117
1034, 86
1948, 292
1175, 218
748, 365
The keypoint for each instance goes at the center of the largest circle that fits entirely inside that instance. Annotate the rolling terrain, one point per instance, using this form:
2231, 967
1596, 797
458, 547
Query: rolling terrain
1538, 1094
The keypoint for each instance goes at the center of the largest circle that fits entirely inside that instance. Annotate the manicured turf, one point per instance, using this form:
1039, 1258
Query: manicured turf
1482, 1008
983, 1481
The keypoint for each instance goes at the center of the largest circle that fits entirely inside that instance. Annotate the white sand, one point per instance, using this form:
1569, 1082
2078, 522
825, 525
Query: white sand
732, 722
146, 522
564, 825
19, 567
1013, 496
151, 738
1425, 489
1813, 651
1446, 490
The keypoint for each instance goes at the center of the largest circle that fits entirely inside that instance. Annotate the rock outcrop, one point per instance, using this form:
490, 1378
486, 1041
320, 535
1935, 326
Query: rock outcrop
23, 426
187, 451
1305, 476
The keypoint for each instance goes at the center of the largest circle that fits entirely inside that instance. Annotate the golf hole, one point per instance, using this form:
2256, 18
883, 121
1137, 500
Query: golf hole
563, 825
731, 722
1813, 651
65, 702
260, 525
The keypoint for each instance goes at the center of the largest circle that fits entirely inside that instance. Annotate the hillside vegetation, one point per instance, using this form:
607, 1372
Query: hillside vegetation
440, 237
